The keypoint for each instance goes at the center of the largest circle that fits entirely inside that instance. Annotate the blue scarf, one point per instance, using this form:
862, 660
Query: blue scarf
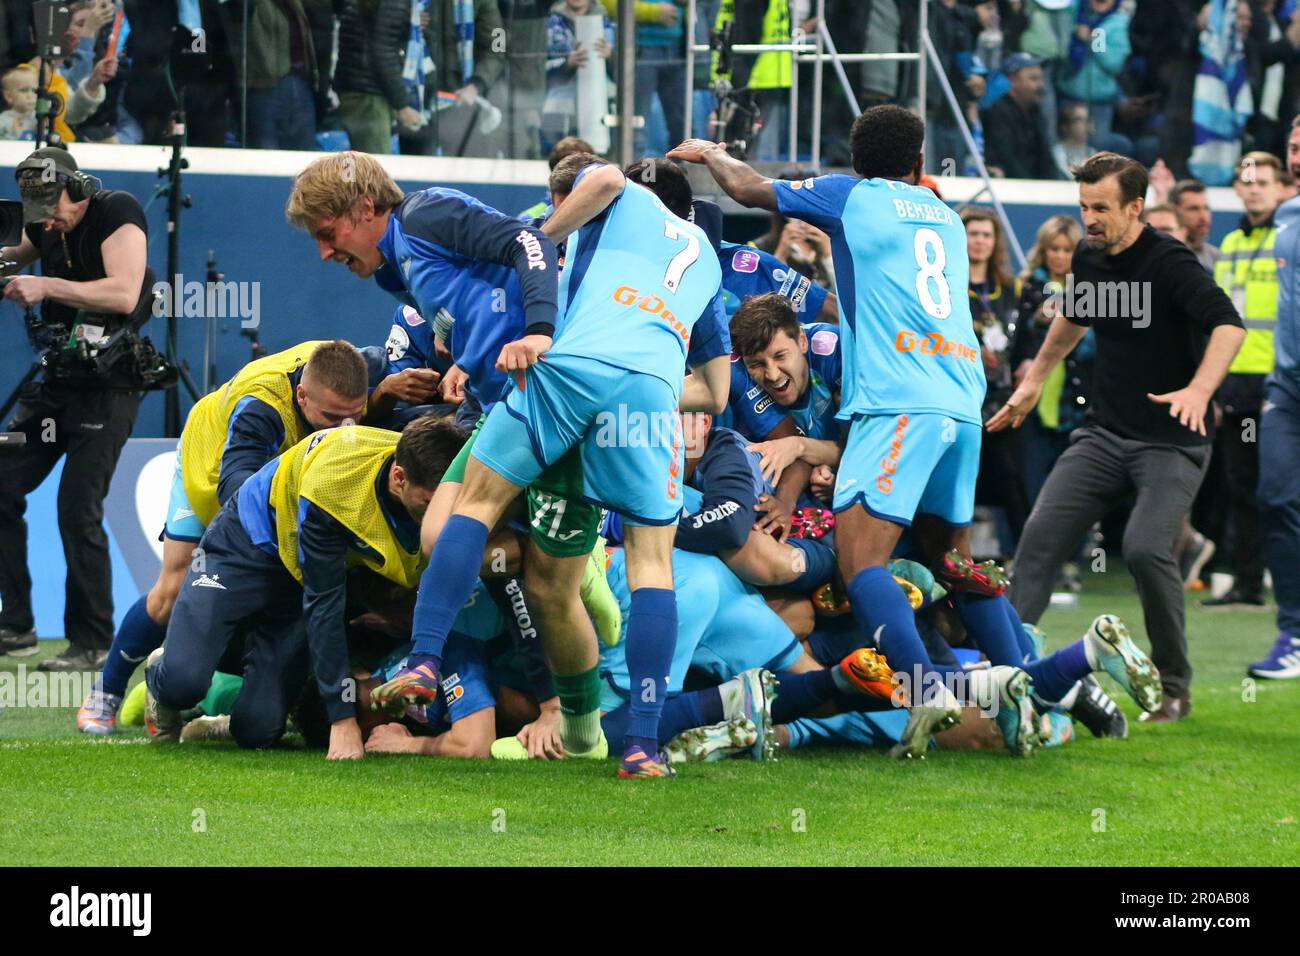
418, 64
464, 15
1080, 49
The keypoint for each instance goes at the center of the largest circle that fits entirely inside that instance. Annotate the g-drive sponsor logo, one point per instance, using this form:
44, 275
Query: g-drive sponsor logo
76, 909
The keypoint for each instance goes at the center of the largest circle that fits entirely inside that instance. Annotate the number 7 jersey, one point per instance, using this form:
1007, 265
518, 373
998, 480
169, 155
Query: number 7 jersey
641, 290
901, 273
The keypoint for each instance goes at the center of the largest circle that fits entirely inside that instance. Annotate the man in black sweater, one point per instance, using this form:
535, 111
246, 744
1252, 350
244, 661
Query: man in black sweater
1014, 145
1152, 308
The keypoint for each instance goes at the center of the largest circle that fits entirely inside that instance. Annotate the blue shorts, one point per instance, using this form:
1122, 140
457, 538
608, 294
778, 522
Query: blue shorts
723, 627
464, 679
182, 524
899, 466
624, 423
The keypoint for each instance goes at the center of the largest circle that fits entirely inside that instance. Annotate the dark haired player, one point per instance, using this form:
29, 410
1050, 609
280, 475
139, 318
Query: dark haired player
912, 389
274, 566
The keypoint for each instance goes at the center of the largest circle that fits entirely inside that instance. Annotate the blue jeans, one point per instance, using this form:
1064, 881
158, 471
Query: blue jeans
283, 116
1279, 500
662, 70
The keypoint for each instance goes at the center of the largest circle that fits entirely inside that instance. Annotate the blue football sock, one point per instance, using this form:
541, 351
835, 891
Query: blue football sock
139, 636
987, 622
1027, 651
884, 615
1056, 673
798, 695
651, 639
820, 565
446, 585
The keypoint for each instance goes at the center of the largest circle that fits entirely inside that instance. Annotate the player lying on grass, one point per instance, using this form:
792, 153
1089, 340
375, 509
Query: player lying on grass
912, 387
268, 407
631, 298
1105, 647
274, 568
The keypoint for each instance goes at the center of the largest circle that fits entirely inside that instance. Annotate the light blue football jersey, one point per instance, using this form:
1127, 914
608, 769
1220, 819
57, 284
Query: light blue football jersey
901, 274
636, 281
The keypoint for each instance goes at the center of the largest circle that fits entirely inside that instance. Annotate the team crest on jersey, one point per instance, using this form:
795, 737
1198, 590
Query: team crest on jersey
744, 260
824, 342
398, 342
802, 184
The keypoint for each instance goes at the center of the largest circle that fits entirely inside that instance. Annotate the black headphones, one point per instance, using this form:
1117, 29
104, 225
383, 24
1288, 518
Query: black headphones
79, 185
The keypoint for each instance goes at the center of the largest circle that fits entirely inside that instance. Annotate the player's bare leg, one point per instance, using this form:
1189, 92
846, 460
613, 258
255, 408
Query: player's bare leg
551, 587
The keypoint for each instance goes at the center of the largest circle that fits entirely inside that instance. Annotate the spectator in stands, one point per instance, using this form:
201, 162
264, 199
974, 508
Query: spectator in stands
469, 59
79, 100
1065, 396
1192, 200
521, 91
1015, 145
953, 28
767, 75
1165, 219
1270, 51
1247, 271
372, 96
1098, 50
1074, 142
660, 68
1164, 38
994, 295
18, 121
284, 75
564, 55
1047, 37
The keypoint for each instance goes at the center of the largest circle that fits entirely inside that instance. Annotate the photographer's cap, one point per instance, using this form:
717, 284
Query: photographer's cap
41, 178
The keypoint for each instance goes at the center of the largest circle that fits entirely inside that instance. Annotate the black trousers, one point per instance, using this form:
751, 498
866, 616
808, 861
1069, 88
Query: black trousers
90, 428
235, 589
1098, 469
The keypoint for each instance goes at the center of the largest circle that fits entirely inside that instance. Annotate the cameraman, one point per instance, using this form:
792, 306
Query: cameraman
91, 244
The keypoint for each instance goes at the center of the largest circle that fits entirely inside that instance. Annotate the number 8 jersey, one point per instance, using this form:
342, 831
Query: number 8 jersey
641, 290
901, 273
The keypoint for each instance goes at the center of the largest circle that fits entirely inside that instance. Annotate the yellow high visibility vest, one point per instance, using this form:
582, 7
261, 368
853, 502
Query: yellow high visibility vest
337, 469
203, 440
771, 70
1247, 271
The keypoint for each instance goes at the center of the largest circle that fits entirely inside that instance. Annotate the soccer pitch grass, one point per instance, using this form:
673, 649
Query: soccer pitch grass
1220, 788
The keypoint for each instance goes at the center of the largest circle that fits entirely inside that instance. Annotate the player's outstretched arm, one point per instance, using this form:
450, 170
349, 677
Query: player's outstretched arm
737, 180
1062, 337
595, 190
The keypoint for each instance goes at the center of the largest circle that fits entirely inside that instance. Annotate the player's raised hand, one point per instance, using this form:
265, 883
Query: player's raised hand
522, 354
1187, 405
693, 150
1022, 401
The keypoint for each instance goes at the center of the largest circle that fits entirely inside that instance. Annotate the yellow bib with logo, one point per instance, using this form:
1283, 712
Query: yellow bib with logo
336, 470
203, 440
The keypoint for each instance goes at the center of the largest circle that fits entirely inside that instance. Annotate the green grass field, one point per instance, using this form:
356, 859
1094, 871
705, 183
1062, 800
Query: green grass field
1222, 787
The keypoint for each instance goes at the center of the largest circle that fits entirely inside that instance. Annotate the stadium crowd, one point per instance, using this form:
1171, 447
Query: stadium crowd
1041, 83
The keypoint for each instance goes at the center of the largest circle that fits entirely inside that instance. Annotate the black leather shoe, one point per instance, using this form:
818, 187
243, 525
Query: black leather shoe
1171, 709
17, 643
74, 659
1235, 599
